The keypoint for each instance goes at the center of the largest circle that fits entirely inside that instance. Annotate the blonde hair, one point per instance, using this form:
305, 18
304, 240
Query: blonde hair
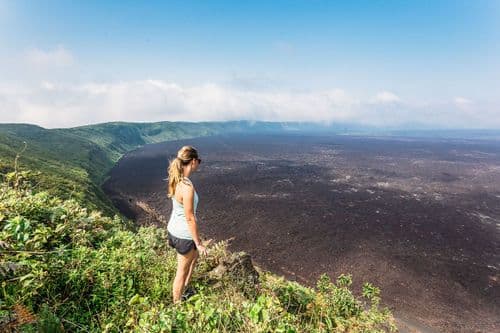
175, 175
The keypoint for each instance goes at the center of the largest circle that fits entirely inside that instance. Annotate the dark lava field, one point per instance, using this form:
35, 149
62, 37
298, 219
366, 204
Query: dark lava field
419, 218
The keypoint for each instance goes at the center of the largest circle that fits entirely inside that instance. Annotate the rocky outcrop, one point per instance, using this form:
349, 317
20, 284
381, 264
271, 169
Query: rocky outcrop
237, 268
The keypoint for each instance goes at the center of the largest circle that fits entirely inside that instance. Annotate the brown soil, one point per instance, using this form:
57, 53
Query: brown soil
419, 218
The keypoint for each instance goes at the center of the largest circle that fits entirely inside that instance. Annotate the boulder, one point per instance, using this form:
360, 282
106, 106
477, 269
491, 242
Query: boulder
238, 268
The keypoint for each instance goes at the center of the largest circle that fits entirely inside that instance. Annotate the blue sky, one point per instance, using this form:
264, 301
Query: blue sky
385, 63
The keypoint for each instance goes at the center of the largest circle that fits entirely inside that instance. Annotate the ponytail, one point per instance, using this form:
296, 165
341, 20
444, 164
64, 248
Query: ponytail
174, 175
176, 166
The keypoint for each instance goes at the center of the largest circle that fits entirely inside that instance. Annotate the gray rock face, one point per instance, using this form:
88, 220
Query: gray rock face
237, 267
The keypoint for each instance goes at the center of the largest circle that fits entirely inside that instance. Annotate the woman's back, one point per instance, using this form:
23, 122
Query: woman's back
177, 225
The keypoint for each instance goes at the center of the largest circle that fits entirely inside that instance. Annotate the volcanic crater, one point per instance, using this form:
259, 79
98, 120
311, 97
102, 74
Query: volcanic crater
418, 217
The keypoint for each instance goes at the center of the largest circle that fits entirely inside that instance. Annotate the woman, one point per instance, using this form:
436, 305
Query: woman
182, 226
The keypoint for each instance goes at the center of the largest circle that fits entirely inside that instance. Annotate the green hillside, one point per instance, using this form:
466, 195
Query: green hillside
69, 166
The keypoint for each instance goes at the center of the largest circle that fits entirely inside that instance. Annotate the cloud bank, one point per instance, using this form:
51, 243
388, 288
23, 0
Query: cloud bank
46, 96
62, 105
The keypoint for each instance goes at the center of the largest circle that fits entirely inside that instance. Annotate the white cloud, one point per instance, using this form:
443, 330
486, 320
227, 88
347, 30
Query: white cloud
53, 104
57, 105
57, 57
47, 85
463, 103
386, 97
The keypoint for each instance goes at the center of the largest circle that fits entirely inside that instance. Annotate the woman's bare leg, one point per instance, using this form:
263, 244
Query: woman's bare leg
183, 266
191, 268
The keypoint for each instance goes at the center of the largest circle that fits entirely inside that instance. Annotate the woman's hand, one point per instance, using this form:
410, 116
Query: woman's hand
202, 249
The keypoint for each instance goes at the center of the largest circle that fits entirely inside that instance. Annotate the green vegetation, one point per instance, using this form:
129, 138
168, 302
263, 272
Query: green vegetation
67, 268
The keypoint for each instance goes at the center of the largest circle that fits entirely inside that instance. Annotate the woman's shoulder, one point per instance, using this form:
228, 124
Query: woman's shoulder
186, 186
187, 181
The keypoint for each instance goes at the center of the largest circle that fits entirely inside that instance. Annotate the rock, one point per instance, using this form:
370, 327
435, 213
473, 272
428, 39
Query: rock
237, 267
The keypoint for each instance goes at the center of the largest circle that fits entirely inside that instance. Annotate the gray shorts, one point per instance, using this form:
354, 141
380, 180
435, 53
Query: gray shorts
182, 246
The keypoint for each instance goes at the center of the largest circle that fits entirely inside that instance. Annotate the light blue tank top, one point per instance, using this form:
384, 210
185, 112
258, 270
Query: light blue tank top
177, 225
